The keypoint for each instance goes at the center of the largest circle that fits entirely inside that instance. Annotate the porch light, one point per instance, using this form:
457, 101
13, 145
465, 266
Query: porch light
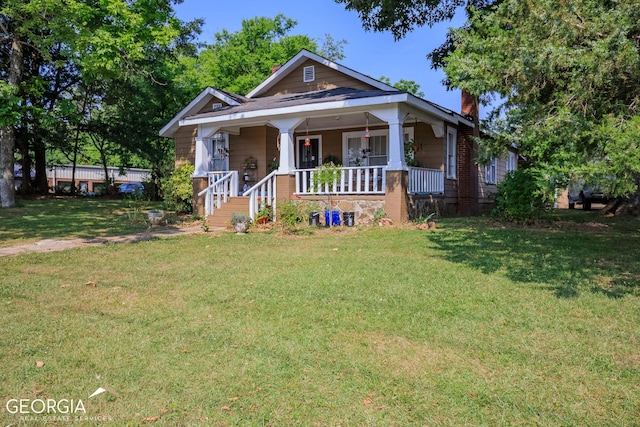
307, 142
366, 129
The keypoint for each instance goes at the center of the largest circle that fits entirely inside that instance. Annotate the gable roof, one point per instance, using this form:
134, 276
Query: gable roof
301, 58
198, 104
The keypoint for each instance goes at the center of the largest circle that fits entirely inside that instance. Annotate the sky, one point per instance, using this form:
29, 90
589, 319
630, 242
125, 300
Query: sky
370, 53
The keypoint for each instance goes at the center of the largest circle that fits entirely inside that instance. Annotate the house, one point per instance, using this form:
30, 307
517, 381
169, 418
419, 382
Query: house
91, 179
399, 153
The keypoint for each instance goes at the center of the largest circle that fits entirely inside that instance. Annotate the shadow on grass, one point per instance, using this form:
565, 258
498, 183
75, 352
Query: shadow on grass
563, 261
70, 218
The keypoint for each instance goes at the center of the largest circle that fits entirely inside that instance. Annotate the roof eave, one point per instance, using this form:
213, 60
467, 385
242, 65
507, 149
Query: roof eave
169, 130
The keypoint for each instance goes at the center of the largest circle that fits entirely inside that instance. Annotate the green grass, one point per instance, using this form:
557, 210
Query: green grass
471, 324
50, 218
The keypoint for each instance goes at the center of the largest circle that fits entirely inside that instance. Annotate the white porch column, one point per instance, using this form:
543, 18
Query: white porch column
395, 118
287, 141
201, 163
201, 154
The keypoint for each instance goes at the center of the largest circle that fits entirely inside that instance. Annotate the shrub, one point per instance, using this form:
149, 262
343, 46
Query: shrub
178, 189
290, 213
523, 196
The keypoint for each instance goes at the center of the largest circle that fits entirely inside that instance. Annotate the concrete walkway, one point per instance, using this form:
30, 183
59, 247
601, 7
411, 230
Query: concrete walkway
53, 245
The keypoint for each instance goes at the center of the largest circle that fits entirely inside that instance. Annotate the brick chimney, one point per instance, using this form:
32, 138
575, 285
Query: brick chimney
275, 68
467, 155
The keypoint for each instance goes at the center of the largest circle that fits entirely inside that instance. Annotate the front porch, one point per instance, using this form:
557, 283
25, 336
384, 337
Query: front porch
364, 189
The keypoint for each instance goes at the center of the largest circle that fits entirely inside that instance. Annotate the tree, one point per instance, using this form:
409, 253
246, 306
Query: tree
94, 40
410, 86
240, 61
568, 74
402, 16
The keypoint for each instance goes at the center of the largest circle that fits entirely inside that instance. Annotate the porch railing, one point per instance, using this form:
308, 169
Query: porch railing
425, 181
263, 193
222, 185
351, 180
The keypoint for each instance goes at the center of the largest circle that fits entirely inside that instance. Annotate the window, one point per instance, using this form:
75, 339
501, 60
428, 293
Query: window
360, 151
309, 74
511, 161
216, 105
451, 165
490, 171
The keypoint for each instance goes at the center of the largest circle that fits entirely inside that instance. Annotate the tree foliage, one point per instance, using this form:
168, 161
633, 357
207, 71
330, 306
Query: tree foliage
568, 75
240, 61
402, 16
57, 60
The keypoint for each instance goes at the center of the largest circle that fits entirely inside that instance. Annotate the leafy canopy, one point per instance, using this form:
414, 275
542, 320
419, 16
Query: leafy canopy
568, 74
240, 61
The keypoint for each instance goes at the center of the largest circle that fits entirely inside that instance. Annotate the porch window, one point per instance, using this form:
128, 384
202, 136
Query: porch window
218, 148
490, 171
451, 162
360, 151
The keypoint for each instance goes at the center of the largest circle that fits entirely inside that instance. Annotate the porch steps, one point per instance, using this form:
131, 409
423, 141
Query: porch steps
222, 217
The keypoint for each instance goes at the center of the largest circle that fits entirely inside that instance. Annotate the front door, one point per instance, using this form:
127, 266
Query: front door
218, 153
308, 153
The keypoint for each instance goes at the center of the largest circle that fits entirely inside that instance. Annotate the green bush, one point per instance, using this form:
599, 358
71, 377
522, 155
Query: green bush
178, 189
525, 195
290, 213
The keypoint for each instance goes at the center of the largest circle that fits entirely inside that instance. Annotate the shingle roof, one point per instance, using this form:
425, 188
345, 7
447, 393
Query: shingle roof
293, 99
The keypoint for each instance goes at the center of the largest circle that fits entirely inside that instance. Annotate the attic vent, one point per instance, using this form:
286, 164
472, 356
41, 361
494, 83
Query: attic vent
309, 74
216, 105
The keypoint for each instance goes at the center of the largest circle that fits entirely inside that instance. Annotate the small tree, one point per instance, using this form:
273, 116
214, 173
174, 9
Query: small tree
325, 177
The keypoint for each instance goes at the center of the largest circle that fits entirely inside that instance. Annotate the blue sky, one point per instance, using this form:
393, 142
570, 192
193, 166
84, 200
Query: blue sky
373, 54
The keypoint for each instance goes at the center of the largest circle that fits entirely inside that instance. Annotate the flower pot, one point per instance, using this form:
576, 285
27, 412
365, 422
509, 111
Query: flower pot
314, 218
348, 218
331, 218
241, 227
155, 218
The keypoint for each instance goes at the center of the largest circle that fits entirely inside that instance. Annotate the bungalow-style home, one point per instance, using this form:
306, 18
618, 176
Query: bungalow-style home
397, 152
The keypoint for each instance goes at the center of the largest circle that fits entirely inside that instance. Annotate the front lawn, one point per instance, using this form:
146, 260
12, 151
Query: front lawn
471, 324
66, 217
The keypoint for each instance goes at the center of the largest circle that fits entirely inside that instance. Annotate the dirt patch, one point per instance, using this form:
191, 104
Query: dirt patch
54, 245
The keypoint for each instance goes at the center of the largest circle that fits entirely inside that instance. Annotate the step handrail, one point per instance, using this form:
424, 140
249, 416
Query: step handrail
265, 189
219, 191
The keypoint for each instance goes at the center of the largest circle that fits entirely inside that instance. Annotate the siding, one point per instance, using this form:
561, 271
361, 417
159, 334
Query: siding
185, 146
326, 78
252, 142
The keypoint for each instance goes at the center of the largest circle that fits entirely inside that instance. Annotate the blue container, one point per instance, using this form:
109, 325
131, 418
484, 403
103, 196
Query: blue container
331, 218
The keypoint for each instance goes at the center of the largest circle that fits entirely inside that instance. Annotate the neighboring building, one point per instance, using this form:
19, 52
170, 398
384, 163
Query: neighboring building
312, 110
91, 179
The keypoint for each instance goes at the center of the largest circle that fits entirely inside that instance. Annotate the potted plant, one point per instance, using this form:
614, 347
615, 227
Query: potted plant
240, 222
325, 176
155, 217
265, 214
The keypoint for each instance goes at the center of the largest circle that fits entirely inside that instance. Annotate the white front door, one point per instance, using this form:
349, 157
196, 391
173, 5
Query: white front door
218, 148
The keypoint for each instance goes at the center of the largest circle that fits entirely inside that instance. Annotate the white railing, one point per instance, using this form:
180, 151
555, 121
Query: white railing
425, 181
351, 180
263, 193
222, 185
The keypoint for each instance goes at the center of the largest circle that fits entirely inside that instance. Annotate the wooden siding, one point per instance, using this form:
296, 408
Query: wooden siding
209, 105
431, 152
326, 78
485, 190
185, 146
252, 142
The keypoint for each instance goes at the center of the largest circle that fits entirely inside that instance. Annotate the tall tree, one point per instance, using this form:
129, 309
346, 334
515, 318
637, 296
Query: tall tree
100, 39
568, 75
239, 61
